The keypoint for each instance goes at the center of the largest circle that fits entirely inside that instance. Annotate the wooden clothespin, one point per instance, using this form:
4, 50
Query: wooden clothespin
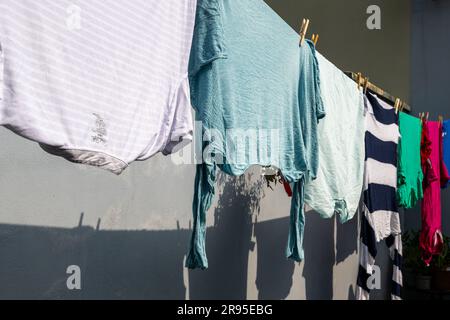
422, 116
315, 39
359, 80
366, 84
441, 119
304, 30
397, 105
428, 115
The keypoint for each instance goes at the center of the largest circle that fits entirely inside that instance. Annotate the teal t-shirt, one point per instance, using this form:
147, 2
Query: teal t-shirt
257, 94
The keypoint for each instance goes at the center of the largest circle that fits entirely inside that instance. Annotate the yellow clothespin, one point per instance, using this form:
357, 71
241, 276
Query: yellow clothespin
441, 119
315, 39
304, 30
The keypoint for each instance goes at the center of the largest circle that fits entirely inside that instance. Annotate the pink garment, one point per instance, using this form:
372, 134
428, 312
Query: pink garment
431, 240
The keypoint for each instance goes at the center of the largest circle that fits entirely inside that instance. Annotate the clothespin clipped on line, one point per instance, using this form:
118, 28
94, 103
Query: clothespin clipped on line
315, 38
397, 105
366, 84
441, 119
422, 116
359, 80
304, 30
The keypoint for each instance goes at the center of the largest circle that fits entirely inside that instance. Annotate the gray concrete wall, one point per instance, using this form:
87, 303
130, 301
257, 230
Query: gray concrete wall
129, 234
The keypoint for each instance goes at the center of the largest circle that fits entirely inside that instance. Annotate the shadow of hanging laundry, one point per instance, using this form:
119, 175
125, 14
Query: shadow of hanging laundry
114, 264
274, 271
346, 238
228, 242
319, 257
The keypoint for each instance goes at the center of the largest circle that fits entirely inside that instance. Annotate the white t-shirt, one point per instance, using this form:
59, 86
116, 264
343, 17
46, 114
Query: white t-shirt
98, 82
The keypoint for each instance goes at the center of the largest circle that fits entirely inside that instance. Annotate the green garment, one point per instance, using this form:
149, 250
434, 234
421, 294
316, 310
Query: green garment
410, 175
250, 79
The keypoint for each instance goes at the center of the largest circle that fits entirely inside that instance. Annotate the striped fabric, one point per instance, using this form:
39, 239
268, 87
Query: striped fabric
100, 82
380, 219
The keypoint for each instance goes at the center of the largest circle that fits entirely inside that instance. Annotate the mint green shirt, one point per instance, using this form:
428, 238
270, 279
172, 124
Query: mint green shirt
339, 182
257, 94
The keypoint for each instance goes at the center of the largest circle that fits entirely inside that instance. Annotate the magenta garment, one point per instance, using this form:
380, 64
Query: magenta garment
431, 240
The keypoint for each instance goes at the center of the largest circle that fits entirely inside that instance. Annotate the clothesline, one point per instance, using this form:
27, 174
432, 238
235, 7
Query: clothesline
377, 90
357, 77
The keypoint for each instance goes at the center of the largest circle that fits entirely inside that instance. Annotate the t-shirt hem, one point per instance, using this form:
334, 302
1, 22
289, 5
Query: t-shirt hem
178, 142
89, 157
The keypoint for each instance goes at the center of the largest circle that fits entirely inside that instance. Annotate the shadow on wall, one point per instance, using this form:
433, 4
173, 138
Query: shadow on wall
228, 242
319, 258
322, 253
275, 273
149, 264
114, 264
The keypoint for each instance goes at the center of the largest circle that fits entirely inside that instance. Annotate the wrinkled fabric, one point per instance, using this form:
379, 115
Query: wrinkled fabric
380, 218
368, 248
257, 94
106, 91
205, 180
339, 182
410, 175
380, 181
431, 239
446, 151
294, 249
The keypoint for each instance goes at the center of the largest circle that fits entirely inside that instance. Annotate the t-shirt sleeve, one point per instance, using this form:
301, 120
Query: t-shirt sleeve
318, 104
181, 132
208, 42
